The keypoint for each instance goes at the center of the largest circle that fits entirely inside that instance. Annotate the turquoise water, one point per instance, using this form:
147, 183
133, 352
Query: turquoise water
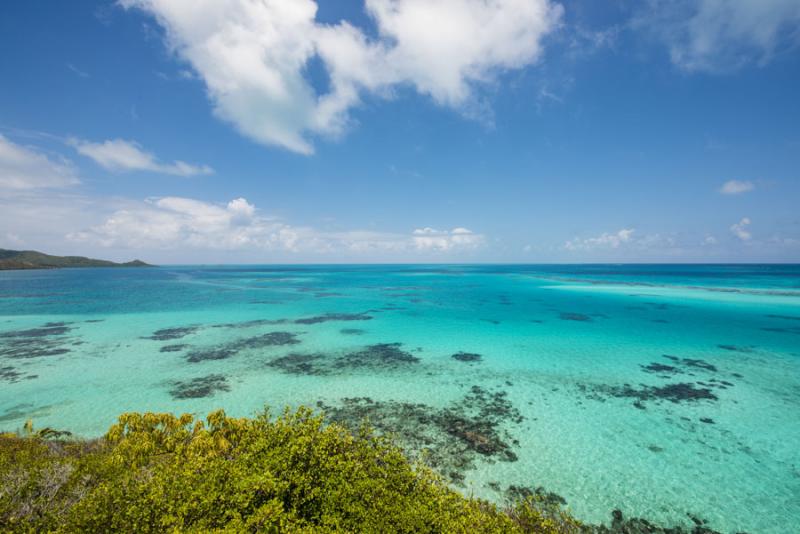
661, 391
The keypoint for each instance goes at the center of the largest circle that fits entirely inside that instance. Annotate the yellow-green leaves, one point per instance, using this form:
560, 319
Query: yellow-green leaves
161, 473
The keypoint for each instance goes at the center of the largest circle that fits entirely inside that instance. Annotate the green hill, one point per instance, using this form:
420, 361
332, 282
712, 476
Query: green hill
30, 259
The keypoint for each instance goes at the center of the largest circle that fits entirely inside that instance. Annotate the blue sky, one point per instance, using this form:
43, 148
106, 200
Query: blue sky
179, 131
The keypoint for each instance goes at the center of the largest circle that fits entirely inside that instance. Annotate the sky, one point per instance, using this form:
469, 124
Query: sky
327, 131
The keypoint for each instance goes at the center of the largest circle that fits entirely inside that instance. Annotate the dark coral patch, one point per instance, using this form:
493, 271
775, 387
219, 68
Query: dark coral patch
691, 362
24, 410
11, 375
272, 339
787, 330
636, 525
675, 393
380, 355
452, 438
299, 364
251, 324
166, 334
684, 391
47, 340
173, 348
213, 353
49, 329
334, 317
227, 350
570, 316
656, 367
352, 331
738, 348
517, 493
32, 348
479, 431
196, 388
467, 357
699, 364
784, 317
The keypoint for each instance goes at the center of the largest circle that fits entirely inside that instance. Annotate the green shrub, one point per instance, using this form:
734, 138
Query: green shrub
158, 472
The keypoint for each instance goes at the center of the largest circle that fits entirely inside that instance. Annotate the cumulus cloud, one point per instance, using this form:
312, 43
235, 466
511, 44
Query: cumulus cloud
740, 229
26, 168
444, 240
722, 35
178, 223
736, 187
122, 155
253, 56
603, 241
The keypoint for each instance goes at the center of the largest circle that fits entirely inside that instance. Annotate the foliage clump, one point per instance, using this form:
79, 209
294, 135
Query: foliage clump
294, 473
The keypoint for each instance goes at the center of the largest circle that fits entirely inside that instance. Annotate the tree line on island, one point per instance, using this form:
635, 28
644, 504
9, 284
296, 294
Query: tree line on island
31, 259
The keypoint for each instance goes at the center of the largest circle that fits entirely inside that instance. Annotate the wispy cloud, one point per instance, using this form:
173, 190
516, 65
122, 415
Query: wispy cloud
76, 70
603, 241
722, 35
27, 168
629, 243
122, 155
252, 56
171, 223
444, 240
740, 229
736, 187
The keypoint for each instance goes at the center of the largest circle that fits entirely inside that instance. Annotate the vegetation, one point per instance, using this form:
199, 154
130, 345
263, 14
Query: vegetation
157, 472
30, 259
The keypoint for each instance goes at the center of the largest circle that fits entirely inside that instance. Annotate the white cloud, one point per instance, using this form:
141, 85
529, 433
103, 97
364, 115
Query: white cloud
182, 223
444, 240
26, 168
736, 187
442, 46
241, 208
603, 241
175, 221
76, 70
722, 35
740, 229
253, 55
122, 155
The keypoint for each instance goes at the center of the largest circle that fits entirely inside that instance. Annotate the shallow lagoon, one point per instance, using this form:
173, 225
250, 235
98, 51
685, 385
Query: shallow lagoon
659, 390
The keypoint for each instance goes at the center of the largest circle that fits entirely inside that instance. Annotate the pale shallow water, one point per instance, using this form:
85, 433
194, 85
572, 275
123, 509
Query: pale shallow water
573, 377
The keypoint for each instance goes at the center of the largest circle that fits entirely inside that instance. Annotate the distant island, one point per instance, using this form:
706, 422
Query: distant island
31, 259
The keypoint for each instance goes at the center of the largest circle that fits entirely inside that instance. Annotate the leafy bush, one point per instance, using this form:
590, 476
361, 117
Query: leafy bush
157, 472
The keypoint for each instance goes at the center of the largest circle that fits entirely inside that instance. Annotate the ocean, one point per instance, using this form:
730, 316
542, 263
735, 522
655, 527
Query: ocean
669, 392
